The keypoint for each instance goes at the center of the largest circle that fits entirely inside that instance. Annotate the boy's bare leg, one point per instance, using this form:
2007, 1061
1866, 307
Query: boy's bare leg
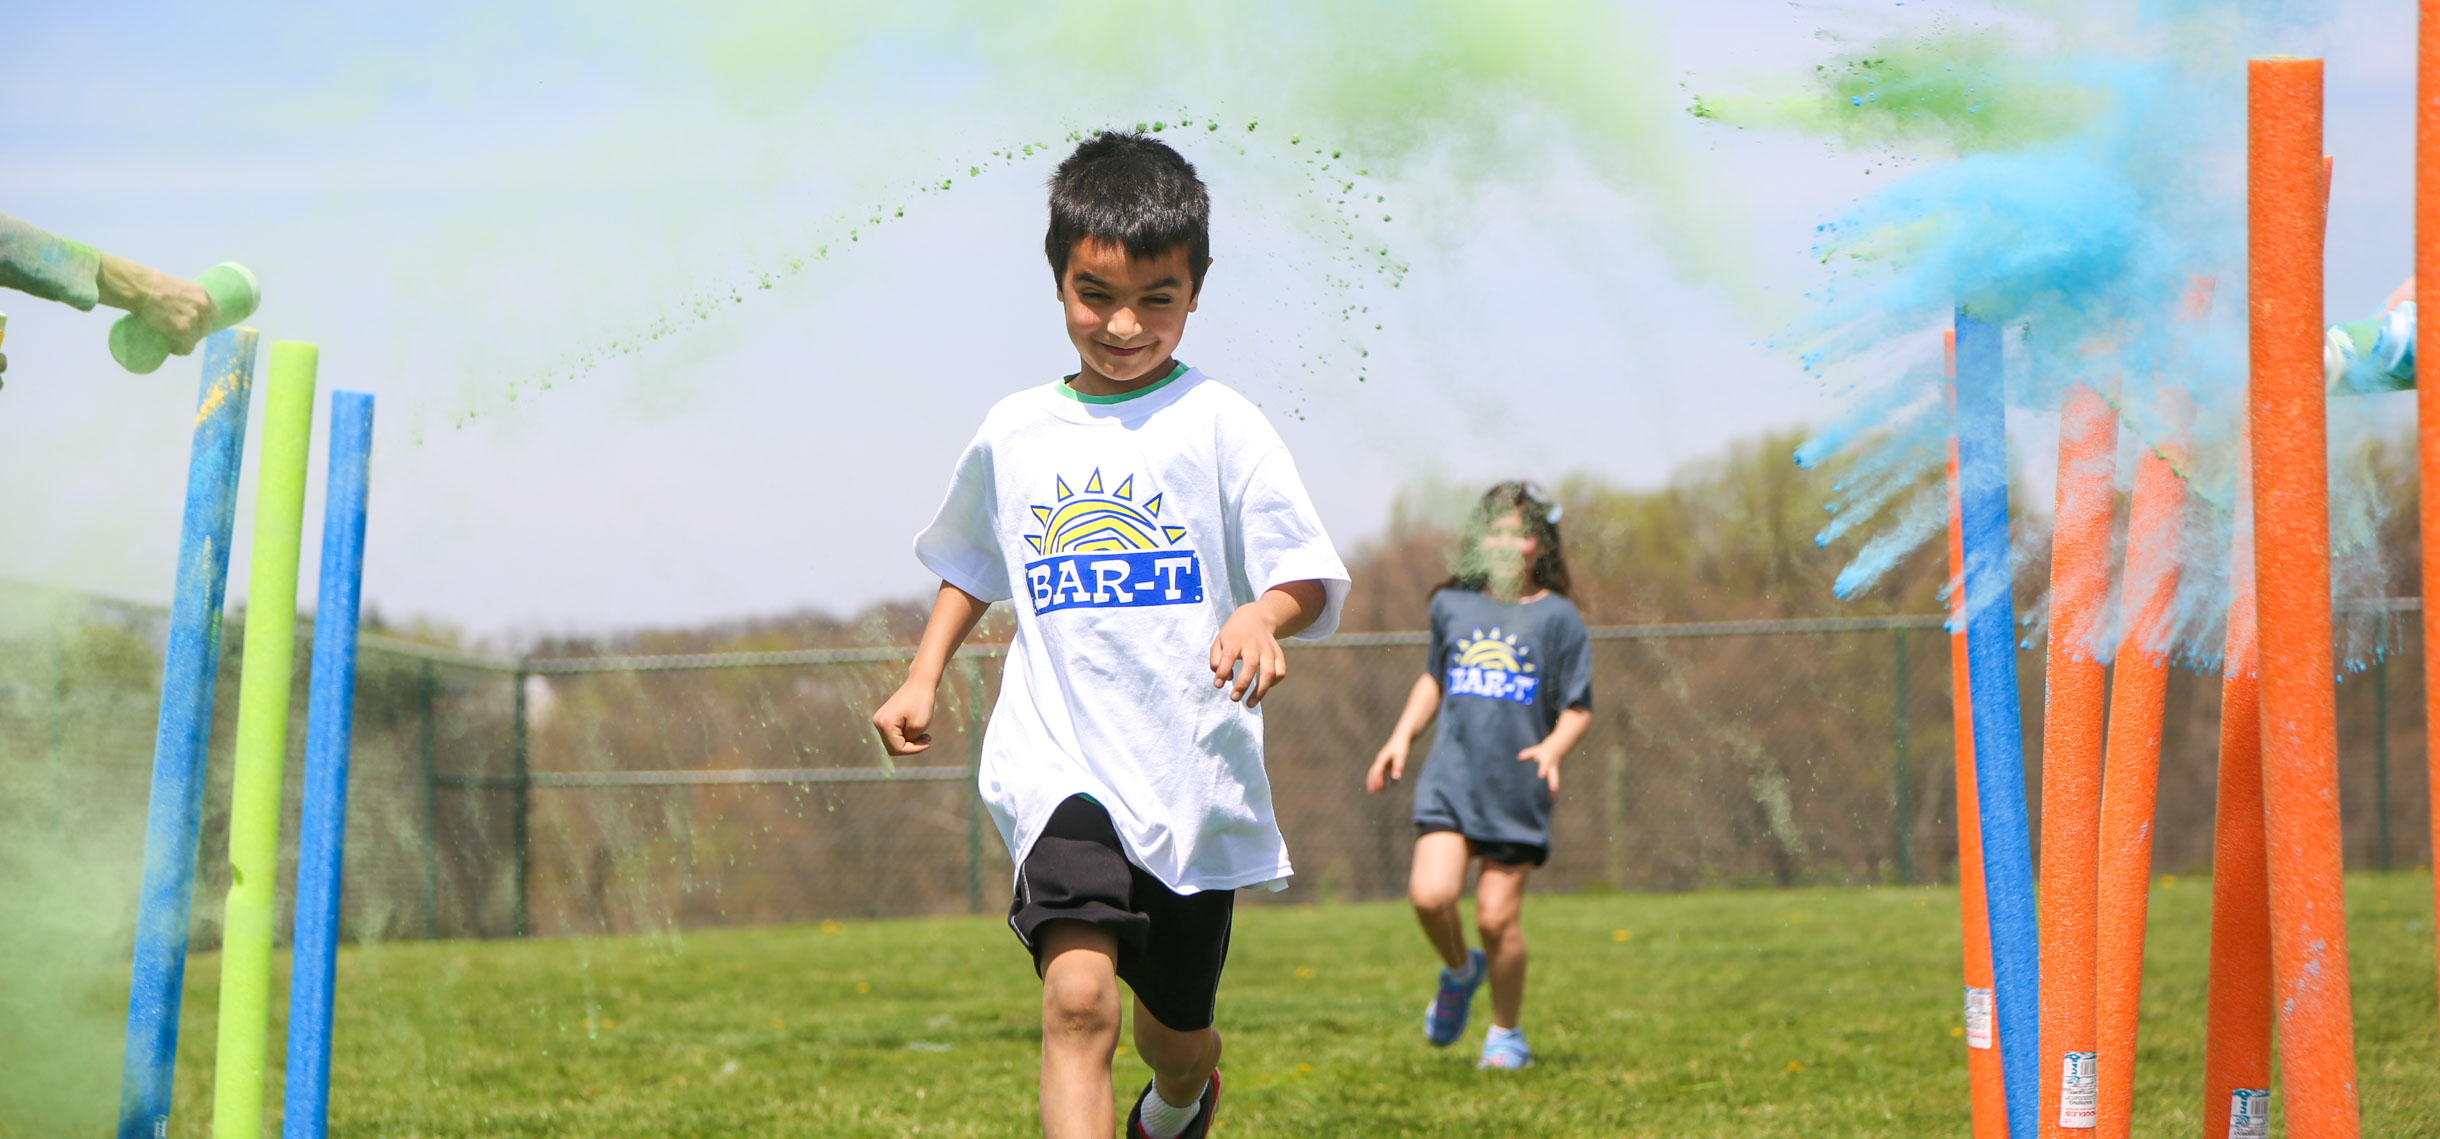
1434, 884
1499, 903
1080, 1012
1181, 1062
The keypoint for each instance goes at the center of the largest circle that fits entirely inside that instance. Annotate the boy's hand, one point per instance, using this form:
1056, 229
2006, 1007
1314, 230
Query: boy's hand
1247, 652
175, 307
1545, 758
1387, 767
905, 719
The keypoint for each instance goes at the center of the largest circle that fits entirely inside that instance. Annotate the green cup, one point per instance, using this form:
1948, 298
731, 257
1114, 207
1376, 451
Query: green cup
235, 295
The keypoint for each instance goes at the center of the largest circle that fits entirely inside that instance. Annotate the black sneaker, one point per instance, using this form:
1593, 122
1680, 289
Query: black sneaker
1198, 1128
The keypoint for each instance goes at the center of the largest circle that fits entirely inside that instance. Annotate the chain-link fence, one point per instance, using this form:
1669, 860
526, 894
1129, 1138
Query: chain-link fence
500, 797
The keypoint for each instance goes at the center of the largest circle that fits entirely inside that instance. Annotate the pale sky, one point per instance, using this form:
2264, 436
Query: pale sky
454, 203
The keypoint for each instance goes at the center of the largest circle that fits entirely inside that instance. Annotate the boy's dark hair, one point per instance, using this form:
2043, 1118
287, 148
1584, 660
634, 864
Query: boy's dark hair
1133, 191
1540, 517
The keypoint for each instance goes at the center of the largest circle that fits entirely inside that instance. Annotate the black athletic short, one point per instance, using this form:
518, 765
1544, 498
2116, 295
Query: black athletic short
1510, 853
1170, 946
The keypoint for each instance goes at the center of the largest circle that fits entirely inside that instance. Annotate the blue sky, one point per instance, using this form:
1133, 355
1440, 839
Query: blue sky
456, 202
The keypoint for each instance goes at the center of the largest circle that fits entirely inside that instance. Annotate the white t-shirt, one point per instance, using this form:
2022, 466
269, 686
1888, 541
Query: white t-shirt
1126, 530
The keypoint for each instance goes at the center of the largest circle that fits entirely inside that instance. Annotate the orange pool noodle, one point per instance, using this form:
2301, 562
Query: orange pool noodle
2138, 690
2427, 396
2284, 214
1982, 1064
2237, 1032
2072, 735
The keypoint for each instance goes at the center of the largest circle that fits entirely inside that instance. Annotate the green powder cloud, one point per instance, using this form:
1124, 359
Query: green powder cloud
1959, 92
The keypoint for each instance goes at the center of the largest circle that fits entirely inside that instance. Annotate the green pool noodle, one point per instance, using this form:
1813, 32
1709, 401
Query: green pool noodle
262, 743
235, 295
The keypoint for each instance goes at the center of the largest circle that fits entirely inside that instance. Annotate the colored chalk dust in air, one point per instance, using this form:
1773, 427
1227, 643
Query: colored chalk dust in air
2072, 194
1344, 196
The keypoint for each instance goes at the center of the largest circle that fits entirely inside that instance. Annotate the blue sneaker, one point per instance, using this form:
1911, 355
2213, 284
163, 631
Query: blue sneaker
1444, 1020
1505, 1048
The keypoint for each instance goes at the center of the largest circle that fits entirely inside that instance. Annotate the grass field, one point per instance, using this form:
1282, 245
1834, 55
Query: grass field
1804, 1013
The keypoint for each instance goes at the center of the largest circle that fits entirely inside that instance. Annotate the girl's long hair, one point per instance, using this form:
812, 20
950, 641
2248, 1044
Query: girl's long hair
1541, 519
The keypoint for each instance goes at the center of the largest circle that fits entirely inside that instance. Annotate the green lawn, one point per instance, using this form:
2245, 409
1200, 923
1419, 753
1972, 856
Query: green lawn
1809, 1013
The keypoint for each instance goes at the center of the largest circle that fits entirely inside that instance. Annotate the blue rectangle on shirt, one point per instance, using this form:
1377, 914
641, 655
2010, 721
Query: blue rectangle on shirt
1498, 684
1115, 580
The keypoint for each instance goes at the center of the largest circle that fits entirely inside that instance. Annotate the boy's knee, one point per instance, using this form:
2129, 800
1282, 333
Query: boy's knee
1079, 1007
1430, 897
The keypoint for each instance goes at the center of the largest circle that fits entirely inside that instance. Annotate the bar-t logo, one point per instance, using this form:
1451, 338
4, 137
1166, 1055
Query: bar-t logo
1105, 550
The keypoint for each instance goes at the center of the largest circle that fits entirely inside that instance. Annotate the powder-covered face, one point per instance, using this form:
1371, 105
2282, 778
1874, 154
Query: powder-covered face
1125, 314
1508, 551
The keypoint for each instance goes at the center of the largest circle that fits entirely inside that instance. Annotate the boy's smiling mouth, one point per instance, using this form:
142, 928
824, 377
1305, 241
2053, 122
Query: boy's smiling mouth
1115, 350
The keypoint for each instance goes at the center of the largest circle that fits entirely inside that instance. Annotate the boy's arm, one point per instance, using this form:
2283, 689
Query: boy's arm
1247, 650
905, 719
1563, 738
37, 261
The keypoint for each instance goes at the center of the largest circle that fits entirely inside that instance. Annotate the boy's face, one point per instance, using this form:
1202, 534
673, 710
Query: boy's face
1126, 314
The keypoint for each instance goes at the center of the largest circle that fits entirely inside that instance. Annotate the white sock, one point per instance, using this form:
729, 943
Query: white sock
1498, 1033
1465, 975
1163, 1120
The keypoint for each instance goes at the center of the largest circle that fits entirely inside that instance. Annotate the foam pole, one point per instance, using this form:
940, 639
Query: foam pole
2237, 1023
2285, 179
190, 666
2427, 396
2138, 695
262, 744
1982, 1047
330, 711
1999, 743
2071, 751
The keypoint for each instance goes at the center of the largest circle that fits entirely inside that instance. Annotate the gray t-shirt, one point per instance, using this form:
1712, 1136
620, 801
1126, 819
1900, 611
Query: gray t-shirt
1505, 673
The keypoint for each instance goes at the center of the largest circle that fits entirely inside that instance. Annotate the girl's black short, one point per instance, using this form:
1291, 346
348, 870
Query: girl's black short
1510, 853
1171, 946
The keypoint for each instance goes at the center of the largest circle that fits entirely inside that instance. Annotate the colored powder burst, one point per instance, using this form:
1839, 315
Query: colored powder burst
2089, 196
1970, 91
75, 716
1327, 106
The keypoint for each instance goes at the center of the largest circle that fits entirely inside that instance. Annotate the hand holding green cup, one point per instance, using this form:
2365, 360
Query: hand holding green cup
140, 348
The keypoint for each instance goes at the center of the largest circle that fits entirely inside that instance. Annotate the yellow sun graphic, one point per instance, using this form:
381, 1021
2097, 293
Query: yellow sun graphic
1099, 522
1495, 652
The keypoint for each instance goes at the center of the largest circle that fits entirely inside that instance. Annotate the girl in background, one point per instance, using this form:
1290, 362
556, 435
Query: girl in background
1510, 679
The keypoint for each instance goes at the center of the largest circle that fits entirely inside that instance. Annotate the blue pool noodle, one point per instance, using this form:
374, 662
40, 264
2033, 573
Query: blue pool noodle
190, 666
1999, 745
322, 835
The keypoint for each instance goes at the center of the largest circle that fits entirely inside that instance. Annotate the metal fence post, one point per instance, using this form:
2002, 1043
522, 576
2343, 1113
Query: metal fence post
1904, 806
521, 784
2380, 750
1617, 838
974, 791
426, 728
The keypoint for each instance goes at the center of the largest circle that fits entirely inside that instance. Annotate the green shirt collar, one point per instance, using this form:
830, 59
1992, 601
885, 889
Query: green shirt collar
1178, 368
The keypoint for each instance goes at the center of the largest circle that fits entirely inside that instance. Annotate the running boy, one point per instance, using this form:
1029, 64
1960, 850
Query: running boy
1151, 530
1510, 677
